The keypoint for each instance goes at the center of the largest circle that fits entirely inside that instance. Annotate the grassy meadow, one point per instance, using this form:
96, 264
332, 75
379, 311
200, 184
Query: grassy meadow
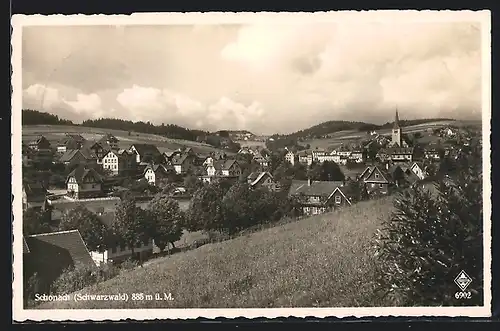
319, 261
55, 133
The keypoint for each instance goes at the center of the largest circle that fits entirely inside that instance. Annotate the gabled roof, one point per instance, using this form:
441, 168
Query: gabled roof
39, 139
374, 169
34, 189
227, 164
256, 177
179, 159
82, 172
89, 144
156, 168
317, 188
53, 252
69, 155
145, 149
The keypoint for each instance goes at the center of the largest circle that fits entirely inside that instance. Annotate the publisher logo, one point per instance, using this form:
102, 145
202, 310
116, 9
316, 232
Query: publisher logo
463, 280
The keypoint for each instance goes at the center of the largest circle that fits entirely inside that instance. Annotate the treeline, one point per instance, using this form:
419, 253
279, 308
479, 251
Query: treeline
167, 130
325, 128
34, 117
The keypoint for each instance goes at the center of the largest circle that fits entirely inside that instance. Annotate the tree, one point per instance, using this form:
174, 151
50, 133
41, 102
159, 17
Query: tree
131, 224
167, 221
94, 233
35, 221
205, 210
432, 237
239, 208
326, 171
192, 183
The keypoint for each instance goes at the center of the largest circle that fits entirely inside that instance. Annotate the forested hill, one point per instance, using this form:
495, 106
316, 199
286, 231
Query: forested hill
34, 117
168, 130
325, 128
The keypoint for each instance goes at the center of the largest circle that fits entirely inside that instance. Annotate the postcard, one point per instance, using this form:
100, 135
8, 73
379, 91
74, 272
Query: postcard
185, 165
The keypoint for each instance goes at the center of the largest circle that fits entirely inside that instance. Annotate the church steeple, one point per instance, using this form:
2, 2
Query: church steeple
396, 120
397, 137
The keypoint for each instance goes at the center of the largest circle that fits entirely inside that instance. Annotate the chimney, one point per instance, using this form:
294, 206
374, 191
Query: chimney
309, 182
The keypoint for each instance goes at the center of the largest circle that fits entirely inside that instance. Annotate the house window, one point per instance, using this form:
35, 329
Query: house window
337, 199
376, 175
380, 185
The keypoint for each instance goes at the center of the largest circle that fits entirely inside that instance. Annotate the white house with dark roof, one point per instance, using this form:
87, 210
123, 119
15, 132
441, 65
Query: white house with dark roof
145, 152
155, 173
84, 182
69, 142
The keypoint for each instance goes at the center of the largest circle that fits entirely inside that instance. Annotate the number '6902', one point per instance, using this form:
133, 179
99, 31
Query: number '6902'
463, 295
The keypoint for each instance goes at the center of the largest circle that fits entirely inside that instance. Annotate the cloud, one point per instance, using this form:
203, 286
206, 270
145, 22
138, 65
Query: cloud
148, 103
266, 78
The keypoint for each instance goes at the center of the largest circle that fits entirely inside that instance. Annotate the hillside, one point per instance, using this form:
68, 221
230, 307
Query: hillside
320, 261
55, 133
331, 127
33, 117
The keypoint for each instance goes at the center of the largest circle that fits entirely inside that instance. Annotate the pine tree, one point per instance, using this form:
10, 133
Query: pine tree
433, 236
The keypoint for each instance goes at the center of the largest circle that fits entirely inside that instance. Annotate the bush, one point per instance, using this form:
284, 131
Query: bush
129, 264
432, 237
76, 278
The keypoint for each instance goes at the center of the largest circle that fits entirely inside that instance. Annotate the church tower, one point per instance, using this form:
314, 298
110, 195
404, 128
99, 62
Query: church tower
396, 132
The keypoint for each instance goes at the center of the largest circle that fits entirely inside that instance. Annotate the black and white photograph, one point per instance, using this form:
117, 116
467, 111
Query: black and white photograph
251, 165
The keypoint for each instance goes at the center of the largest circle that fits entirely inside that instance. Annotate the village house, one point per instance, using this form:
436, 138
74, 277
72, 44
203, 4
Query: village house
50, 254
75, 157
84, 182
98, 149
291, 157
221, 168
245, 150
357, 156
400, 154
183, 163
155, 173
110, 140
377, 181
305, 158
317, 197
343, 151
41, 144
316, 153
119, 163
261, 160
145, 153
433, 153
262, 179
34, 195
70, 142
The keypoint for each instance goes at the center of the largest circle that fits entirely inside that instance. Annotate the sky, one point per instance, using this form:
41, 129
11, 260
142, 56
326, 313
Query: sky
266, 78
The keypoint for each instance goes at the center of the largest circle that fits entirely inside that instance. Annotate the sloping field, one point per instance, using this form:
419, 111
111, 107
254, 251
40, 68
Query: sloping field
56, 132
320, 261
344, 137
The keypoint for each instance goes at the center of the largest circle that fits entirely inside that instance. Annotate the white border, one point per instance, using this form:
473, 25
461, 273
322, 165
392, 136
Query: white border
19, 21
